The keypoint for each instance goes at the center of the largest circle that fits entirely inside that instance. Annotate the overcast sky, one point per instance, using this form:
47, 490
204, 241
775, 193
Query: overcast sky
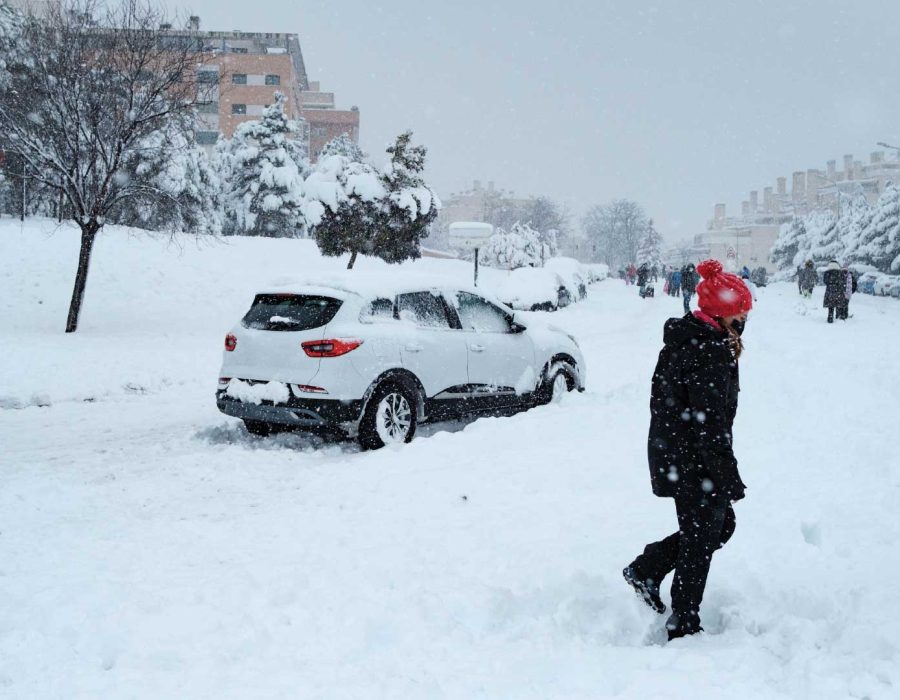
676, 104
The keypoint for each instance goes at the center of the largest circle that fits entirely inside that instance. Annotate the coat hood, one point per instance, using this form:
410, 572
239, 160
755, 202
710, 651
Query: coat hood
678, 331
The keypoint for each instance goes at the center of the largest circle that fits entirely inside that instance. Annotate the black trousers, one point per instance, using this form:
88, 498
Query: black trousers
704, 525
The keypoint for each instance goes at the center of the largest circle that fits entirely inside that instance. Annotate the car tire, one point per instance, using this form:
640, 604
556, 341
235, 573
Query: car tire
259, 428
390, 416
551, 389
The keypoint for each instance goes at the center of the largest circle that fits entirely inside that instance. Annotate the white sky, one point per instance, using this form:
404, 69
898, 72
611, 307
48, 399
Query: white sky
676, 104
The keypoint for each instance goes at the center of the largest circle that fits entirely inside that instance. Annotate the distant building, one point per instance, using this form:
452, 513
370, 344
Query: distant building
244, 70
748, 239
479, 204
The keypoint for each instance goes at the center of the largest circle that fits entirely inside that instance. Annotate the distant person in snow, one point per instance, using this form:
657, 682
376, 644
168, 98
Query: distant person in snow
807, 279
676, 283
693, 401
843, 311
689, 279
835, 286
654, 273
643, 274
750, 285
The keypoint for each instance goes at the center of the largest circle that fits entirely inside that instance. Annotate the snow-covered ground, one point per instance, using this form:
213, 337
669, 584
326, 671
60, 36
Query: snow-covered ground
149, 548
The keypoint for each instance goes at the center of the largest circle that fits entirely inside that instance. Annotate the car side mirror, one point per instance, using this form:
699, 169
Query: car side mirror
515, 326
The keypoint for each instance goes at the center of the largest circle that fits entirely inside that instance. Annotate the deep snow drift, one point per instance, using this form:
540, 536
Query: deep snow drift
149, 548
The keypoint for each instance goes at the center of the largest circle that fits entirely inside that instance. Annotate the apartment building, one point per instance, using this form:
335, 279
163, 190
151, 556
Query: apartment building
243, 71
747, 239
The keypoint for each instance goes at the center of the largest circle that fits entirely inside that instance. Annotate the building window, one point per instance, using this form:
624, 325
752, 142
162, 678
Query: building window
320, 131
239, 49
206, 138
208, 107
273, 80
238, 109
208, 77
239, 78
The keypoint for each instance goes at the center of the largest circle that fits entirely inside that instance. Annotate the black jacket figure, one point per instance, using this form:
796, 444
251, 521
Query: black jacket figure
693, 402
642, 274
689, 279
835, 284
807, 278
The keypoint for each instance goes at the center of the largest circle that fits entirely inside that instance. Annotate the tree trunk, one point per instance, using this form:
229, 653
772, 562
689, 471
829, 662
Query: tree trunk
88, 234
352, 260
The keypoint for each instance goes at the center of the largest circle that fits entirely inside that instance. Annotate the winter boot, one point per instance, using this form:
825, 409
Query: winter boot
830, 314
647, 589
683, 624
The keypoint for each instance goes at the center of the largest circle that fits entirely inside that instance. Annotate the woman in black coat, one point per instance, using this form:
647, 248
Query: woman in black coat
835, 286
693, 402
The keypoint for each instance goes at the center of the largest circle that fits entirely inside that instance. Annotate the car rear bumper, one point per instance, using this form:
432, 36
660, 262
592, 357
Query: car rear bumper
300, 413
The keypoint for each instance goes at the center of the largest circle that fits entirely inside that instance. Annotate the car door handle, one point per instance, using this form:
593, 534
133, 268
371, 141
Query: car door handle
476, 348
412, 347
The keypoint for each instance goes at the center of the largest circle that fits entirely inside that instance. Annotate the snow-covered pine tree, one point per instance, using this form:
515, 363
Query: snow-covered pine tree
10, 44
520, 246
854, 221
409, 206
179, 189
649, 252
344, 210
880, 241
790, 238
823, 237
343, 145
266, 167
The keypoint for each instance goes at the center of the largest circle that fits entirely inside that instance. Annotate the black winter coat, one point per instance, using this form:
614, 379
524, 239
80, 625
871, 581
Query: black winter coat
807, 278
693, 402
689, 280
642, 274
835, 288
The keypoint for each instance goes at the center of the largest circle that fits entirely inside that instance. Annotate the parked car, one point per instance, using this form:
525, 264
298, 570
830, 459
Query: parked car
375, 365
883, 285
597, 272
533, 289
866, 282
575, 277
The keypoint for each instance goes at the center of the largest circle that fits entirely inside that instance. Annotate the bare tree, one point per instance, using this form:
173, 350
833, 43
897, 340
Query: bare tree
615, 230
97, 83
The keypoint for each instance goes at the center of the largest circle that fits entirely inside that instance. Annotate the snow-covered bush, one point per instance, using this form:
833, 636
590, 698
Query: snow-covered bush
520, 246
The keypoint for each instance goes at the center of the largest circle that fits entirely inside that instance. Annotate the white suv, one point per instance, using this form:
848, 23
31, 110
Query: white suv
375, 364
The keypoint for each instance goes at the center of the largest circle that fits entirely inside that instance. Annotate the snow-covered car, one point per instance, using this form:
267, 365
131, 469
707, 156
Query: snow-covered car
533, 289
883, 285
597, 272
575, 277
866, 282
373, 365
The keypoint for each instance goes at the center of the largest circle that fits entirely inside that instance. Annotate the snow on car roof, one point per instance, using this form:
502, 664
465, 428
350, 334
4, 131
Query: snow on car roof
368, 285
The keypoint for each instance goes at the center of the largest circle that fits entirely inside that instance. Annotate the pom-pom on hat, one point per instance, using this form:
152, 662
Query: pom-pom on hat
720, 293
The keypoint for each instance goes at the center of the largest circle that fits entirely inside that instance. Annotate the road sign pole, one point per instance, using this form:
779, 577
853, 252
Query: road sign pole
476, 267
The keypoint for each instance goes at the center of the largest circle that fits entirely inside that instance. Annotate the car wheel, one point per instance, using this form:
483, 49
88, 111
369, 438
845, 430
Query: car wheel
389, 418
258, 427
559, 381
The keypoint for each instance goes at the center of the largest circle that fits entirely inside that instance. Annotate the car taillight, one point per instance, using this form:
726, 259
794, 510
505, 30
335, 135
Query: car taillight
308, 389
230, 342
330, 348
223, 382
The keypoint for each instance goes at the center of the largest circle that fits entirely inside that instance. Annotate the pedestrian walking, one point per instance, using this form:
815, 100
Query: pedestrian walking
835, 284
693, 401
676, 283
643, 273
843, 311
807, 279
689, 279
750, 285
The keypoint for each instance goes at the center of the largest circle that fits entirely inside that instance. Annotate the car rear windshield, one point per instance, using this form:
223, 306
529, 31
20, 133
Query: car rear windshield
290, 312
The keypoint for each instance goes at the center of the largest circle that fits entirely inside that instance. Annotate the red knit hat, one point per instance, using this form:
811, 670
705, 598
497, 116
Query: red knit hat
722, 294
